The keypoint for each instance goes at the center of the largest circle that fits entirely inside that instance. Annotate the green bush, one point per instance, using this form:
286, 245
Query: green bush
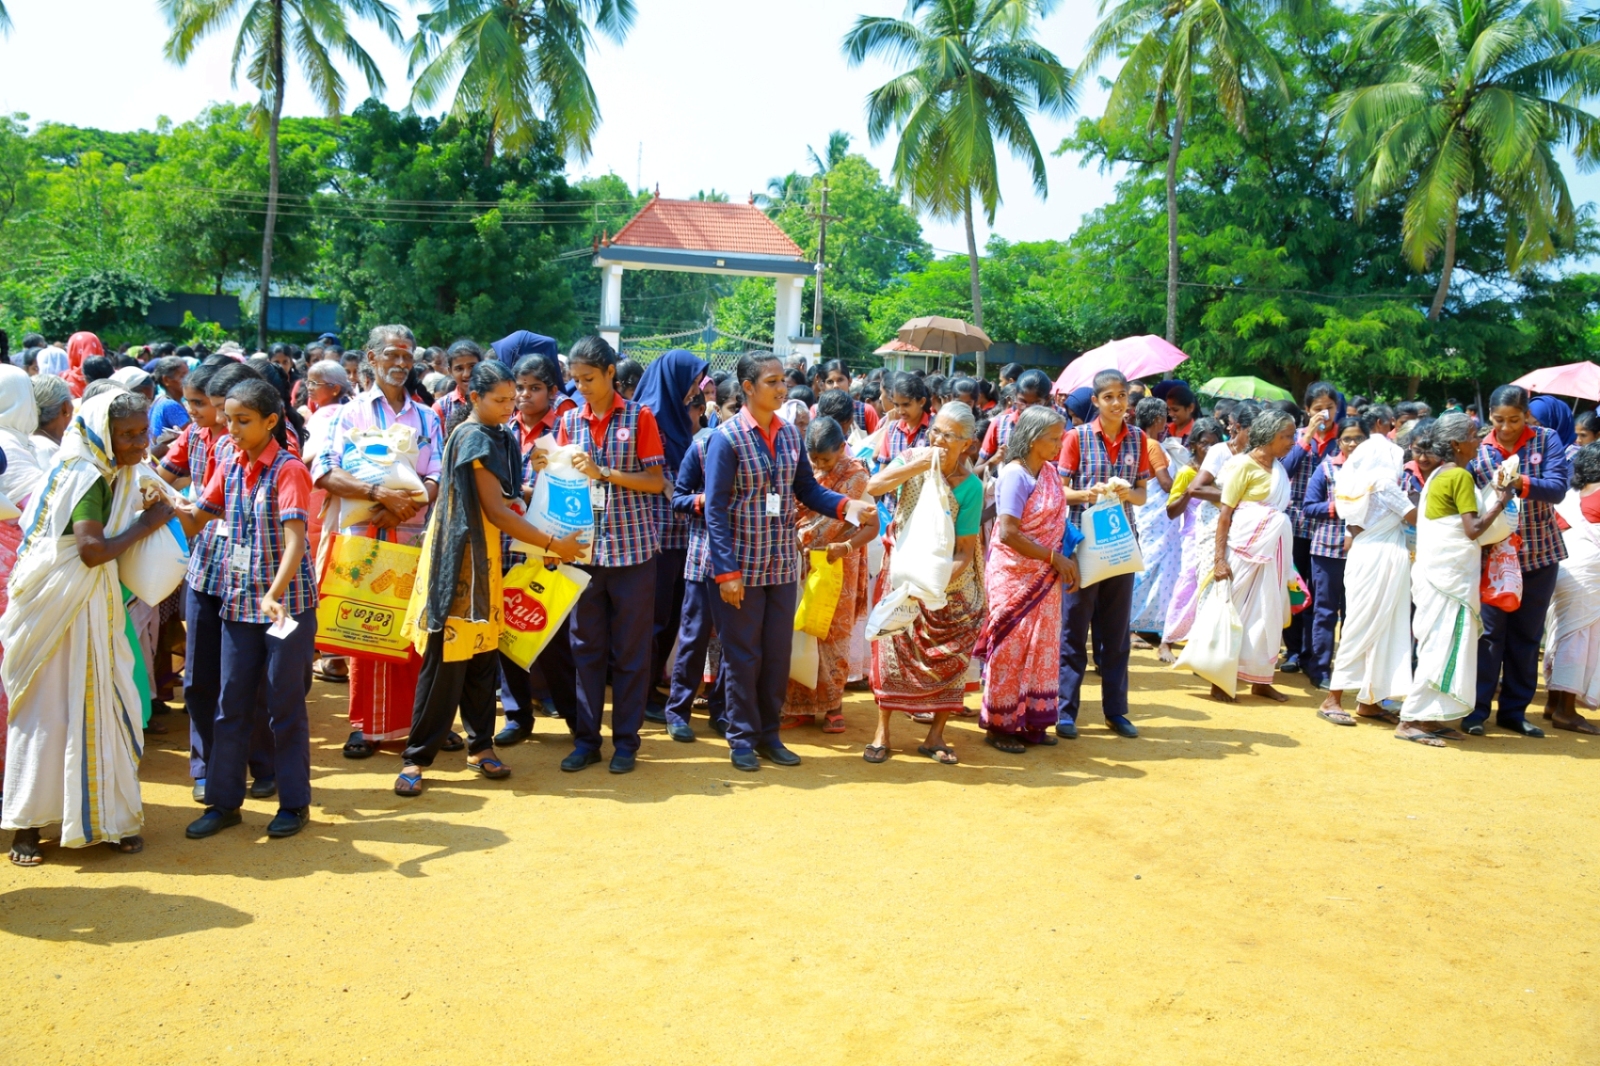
95, 300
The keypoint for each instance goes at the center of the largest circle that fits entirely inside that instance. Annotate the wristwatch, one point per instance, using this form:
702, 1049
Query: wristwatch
605, 473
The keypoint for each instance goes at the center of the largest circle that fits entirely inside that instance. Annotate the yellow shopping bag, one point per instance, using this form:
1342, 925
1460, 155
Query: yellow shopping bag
820, 596
537, 601
361, 600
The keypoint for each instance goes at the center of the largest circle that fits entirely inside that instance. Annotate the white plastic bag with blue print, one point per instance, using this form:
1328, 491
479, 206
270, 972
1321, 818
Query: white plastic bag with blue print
386, 458
1109, 546
561, 503
156, 565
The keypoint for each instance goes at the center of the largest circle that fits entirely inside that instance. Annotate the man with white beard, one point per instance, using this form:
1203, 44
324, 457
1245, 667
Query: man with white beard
382, 692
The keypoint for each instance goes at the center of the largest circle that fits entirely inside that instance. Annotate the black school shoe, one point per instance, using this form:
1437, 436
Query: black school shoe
263, 788
745, 759
777, 753
578, 760
289, 821
214, 821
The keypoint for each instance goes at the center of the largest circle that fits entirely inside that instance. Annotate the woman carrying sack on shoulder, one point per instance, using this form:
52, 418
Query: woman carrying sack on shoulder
924, 668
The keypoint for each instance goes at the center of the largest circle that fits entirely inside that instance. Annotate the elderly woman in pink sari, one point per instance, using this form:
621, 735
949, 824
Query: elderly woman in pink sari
1254, 550
1021, 637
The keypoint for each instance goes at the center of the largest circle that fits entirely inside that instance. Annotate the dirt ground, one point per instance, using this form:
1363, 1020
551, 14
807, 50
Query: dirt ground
1242, 884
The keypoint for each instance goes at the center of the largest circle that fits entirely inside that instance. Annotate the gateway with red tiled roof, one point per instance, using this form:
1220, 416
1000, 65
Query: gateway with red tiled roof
706, 237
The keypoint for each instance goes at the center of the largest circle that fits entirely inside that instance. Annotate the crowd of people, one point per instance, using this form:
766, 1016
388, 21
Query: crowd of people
1425, 565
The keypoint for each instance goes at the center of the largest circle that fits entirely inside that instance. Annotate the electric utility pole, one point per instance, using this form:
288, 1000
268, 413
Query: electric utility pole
823, 218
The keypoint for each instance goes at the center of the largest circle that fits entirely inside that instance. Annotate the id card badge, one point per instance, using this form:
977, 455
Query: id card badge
239, 558
597, 495
774, 507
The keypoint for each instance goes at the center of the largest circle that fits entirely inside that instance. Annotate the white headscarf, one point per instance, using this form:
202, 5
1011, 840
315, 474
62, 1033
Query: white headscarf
53, 360
131, 378
792, 410
19, 417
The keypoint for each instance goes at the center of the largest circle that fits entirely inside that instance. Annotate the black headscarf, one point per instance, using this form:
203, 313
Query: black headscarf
666, 382
458, 558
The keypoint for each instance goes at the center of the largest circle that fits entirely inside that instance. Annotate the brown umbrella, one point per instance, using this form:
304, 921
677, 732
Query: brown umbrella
949, 335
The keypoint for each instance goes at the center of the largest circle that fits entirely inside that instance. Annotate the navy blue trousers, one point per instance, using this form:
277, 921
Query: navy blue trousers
253, 665
1297, 635
669, 608
1105, 608
611, 626
1508, 650
551, 672
1327, 610
694, 639
443, 688
202, 686
756, 641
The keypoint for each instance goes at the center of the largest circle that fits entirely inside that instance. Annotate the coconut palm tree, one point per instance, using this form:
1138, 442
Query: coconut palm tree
833, 155
972, 74
793, 188
5, 20
1475, 100
1166, 42
520, 62
270, 31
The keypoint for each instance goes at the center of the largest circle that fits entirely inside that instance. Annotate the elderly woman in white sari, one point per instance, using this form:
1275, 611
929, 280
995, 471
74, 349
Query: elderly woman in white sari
1255, 549
1374, 655
1572, 644
1444, 586
74, 737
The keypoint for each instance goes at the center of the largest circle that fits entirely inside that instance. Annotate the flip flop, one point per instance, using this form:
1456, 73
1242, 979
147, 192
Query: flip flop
833, 723
453, 742
1449, 733
408, 785
491, 768
127, 845
1336, 717
322, 675
1384, 715
360, 749
875, 753
1425, 739
936, 753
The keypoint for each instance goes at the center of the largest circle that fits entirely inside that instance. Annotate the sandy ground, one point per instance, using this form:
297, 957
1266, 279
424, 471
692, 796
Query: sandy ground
1243, 884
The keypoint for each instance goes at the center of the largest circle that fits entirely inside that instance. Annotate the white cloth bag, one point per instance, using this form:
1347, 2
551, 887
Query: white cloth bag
1109, 546
156, 565
804, 659
1215, 640
386, 458
924, 552
561, 503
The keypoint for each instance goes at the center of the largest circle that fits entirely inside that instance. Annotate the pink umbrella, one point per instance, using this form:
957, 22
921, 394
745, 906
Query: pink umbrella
1136, 357
1574, 379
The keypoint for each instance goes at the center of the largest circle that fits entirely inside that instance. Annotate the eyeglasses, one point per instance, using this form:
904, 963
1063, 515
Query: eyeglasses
948, 438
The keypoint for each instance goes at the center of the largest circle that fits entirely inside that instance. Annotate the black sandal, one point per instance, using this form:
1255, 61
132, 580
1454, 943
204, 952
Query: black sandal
359, 747
127, 845
1006, 743
875, 753
25, 849
453, 742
